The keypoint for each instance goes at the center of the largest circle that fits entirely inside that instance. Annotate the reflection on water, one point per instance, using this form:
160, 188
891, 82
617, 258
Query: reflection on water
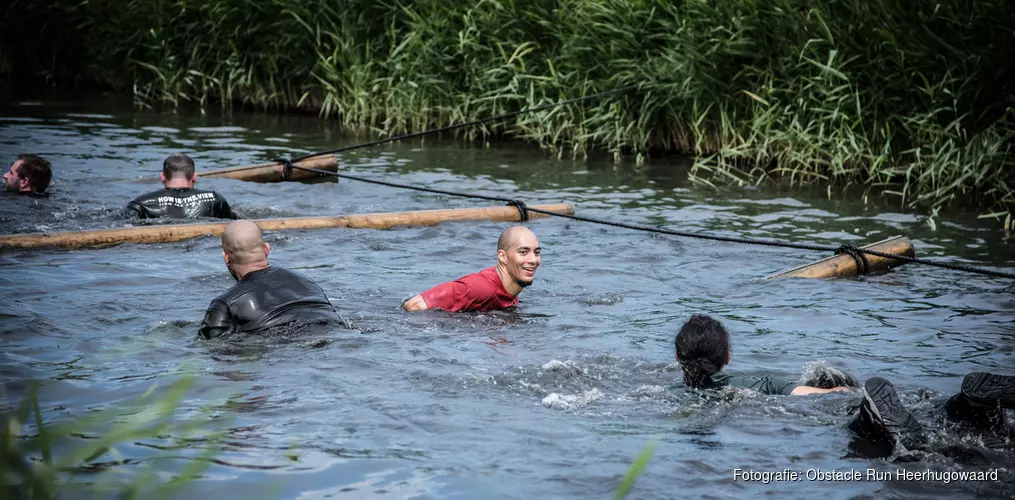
552, 400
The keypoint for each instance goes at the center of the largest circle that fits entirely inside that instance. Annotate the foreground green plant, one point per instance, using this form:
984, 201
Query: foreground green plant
636, 470
912, 98
49, 463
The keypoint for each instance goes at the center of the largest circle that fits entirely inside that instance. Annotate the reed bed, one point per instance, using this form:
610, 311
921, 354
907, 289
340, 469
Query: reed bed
912, 98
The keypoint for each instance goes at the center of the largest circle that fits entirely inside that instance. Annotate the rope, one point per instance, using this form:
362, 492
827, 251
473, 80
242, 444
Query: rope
287, 168
854, 252
523, 211
858, 254
862, 265
468, 124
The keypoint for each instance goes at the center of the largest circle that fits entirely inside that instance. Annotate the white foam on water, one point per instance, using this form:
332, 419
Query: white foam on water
571, 401
569, 367
647, 391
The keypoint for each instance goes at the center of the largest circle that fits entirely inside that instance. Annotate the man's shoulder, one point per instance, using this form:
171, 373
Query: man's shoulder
232, 293
152, 194
277, 272
486, 275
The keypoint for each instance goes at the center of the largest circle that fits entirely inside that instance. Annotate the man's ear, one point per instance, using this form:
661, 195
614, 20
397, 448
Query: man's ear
676, 357
225, 257
728, 356
501, 256
267, 249
193, 178
24, 183
163, 177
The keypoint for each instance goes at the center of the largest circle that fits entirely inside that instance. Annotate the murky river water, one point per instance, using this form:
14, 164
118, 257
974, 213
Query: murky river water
435, 405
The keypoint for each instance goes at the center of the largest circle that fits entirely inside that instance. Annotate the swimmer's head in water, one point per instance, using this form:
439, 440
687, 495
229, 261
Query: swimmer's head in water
518, 253
180, 168
243, 248
29, 174
702, 348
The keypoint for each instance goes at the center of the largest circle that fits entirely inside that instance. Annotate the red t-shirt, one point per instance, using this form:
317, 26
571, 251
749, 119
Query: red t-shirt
482, 291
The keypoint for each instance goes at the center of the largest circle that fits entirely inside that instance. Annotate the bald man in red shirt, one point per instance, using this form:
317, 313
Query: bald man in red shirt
493, 288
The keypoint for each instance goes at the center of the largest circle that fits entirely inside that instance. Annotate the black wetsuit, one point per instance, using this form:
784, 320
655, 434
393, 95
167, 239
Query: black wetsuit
180, 203
266, 299
764, 385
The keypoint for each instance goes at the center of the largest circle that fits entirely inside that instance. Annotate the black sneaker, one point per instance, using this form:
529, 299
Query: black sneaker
882, 409
989, 389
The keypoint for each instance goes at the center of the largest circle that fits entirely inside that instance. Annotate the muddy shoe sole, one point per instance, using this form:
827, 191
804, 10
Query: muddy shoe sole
987, 388
887, 411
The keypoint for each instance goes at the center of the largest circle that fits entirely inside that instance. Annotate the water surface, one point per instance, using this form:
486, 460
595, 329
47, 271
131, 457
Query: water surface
553, 400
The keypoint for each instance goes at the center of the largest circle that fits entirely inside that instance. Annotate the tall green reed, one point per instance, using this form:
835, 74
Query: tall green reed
81, 454
911, 98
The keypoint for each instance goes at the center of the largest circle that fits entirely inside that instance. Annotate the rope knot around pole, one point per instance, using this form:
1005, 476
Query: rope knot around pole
862, 265
287, 168
523, 211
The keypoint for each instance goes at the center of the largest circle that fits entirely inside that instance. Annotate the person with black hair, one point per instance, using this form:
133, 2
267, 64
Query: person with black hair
703, 350
179, 199
29, 174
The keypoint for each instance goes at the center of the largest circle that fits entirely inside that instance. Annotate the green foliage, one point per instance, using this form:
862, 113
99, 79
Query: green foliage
636, 470
51, 462
914, 97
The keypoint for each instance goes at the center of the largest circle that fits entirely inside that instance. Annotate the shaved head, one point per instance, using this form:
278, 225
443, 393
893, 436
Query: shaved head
512, 236
243, 243
518, 257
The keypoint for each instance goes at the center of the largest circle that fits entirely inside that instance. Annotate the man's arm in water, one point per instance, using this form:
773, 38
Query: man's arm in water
415, 304
444, 296
225, 211
134, 211
803, 390
217, 321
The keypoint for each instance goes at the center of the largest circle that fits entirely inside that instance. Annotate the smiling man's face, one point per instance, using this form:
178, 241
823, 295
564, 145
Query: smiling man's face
521, 258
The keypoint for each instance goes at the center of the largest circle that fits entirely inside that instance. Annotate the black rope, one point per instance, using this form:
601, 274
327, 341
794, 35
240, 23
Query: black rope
858, 254
287, 168
523, 211
862, 265
468, 124
686, 234
715, 237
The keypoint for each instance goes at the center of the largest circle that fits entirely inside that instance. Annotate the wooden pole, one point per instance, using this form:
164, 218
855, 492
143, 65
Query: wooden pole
268, 172
844, 265
176, 232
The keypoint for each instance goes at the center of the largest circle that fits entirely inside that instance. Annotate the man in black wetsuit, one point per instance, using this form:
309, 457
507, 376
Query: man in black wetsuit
29, 174
266, 296
179, 199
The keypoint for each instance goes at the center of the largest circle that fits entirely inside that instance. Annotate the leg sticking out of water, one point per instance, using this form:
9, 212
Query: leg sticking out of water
982, 401
883, 422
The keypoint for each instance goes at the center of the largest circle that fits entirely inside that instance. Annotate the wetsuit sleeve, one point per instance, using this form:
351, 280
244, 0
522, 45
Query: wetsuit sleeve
763, 385
775, 386
217, 321
224, 210
451, 296
134, 210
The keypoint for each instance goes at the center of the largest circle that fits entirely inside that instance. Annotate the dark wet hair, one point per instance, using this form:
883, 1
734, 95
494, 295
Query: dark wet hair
178, 164
37, 170
703, 347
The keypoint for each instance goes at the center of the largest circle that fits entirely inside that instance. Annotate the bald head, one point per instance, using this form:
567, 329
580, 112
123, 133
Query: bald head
243, 244
514, 236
